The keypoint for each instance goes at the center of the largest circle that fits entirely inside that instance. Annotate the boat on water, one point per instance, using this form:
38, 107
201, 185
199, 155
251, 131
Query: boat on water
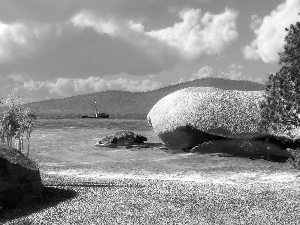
97, 115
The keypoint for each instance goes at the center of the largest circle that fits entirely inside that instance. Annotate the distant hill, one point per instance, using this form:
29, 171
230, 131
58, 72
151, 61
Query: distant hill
125, 104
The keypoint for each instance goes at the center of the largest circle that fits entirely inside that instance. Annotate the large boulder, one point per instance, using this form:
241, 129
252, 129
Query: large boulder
194, 115
20, 181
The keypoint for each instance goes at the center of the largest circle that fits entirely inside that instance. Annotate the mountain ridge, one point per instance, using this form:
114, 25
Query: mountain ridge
126, 104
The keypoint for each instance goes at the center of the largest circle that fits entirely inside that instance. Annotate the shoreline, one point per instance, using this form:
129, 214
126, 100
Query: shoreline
258, 177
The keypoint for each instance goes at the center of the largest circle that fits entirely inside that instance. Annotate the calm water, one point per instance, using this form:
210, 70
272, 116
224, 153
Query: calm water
66, 147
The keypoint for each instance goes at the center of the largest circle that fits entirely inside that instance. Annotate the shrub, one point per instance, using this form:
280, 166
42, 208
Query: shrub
280, 110
16, 122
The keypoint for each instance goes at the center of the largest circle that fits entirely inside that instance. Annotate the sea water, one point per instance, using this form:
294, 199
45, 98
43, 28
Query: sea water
66, 147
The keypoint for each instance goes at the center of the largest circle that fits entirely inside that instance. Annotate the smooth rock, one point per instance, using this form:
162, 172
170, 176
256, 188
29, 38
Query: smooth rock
186, 137
282, 142
214, 112
121, 138
242, 147
20, 181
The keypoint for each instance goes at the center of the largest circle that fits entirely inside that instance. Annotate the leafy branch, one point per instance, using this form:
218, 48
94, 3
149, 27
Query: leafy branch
16, 122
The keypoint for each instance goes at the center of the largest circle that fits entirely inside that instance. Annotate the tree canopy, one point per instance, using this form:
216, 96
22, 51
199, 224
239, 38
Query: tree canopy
282, 98
15, 122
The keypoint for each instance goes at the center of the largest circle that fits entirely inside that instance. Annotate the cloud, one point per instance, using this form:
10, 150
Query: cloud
128, 31
18, 77
73, 51
191, 38
233, 73
19, 40
195, 36
89, 41
270, 32
93, 44
137, 27
255, 22
103, 26
64, 87
205, 71
181, 80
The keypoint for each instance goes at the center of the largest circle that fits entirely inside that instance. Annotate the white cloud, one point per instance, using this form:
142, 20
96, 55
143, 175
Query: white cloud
255, 22
181, 80
270, 33
19, 39
101, 25
130, 31
12, 37
77, 45
205, 71
194, 36
64, 87
233, 73
138, 27
191, 38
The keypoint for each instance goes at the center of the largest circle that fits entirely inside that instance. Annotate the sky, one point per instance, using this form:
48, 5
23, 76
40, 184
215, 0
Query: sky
53, 49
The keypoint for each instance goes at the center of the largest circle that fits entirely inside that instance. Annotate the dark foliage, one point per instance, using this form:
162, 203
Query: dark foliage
281, 107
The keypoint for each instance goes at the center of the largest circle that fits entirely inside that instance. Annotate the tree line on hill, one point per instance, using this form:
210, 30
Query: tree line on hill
125, 104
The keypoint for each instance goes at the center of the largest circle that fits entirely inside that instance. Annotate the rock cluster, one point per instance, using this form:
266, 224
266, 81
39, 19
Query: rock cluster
20, 181
121, 138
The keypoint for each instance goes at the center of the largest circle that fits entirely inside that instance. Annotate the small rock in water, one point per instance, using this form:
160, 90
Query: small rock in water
121, 138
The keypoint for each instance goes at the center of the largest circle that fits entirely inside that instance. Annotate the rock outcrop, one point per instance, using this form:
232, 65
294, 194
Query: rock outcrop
242, 147
121, 138
191, 116
20, 181
186, 137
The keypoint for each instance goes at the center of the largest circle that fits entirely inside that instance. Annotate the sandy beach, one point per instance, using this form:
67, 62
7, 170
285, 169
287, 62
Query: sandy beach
266, 196
85, 184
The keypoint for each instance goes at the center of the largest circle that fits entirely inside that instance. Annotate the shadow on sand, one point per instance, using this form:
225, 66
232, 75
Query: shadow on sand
51, 197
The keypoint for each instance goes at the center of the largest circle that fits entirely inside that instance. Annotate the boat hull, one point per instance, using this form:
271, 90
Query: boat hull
94, 117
